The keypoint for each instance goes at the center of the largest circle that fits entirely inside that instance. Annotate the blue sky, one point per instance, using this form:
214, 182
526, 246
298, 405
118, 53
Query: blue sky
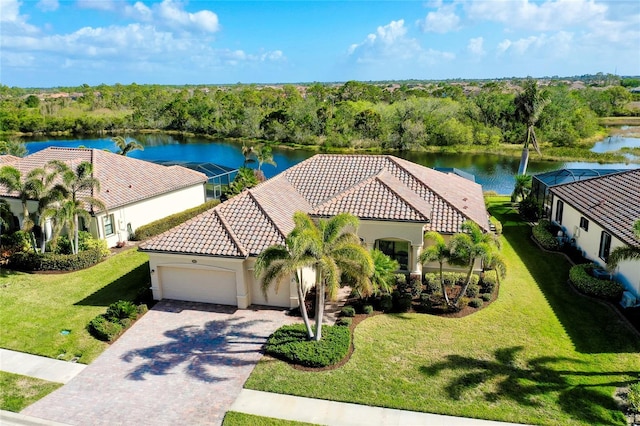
49, 43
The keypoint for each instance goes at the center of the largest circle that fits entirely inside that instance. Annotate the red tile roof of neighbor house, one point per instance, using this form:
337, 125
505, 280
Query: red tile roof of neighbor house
123, 180
612, 201
8, 159
373, 187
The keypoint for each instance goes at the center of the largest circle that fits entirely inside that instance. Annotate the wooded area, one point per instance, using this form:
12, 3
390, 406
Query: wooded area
408, 115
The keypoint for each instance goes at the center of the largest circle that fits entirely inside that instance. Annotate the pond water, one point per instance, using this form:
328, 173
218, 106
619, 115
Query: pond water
615, 143
493, 172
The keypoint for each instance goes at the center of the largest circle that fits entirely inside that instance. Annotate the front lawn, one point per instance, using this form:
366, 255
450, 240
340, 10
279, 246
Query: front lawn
540, 354
36, 308
17, 392
233, 418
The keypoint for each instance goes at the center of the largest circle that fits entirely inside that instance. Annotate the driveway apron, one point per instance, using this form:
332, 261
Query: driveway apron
181, 363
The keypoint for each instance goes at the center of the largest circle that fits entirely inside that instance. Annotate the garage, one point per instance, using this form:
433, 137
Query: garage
198, 284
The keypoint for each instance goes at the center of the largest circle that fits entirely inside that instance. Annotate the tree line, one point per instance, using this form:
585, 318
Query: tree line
354, 114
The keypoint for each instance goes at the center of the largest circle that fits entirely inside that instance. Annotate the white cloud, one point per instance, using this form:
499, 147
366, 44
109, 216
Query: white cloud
442, 21
107, 5
48, 5
390, 46
173, 14
476, 46
556, 45
139, 11
549, 15
12, 21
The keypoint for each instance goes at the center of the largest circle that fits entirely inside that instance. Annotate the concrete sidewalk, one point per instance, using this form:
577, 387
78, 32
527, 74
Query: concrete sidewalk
40, 367
7, 418
324, 412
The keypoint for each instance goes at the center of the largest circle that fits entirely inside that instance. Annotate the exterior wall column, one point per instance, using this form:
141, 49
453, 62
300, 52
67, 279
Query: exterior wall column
416, 250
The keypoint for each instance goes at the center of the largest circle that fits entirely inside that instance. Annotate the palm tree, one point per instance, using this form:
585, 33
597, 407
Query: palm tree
247, 152
437, 251
125, 145
5, 216
529, 106
334, 249
26, 189
384, 269
74, 187
278, 263
468, 246
46, 195
627, 252
494, 261
264, 155
521, 188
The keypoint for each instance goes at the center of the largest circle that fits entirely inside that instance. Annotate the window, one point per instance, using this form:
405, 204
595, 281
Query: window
559, 208
107, 221
605, 246
584, 223
398, 250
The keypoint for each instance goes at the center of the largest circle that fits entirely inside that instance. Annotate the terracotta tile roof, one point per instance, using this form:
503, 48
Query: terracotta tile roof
8, 159
374, 187
202, 235
123, 180
612, 201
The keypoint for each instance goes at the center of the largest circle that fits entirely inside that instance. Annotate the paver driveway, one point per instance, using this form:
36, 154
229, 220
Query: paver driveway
181, 363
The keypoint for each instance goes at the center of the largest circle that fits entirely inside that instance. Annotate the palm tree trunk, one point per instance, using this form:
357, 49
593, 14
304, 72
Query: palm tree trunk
444, 288
75, 234
319, 309
303, 308
466, 286
524, 161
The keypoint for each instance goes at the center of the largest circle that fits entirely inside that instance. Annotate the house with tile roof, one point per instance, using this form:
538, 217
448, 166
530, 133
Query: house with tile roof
598, 214
135, 192
211, 257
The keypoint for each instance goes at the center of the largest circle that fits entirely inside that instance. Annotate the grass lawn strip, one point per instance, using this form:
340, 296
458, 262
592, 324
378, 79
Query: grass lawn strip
540, 354
233, 418
35, 308
17, 392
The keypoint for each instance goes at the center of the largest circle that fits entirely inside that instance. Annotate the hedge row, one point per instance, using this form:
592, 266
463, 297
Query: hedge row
605, 289
542, 233
161, 225
30, 261
120, 315
290, 344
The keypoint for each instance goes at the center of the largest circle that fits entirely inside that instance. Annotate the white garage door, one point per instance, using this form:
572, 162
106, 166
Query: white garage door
198, 285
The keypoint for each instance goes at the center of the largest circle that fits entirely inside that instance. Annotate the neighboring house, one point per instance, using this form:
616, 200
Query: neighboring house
599, 214
211, 257
135, 192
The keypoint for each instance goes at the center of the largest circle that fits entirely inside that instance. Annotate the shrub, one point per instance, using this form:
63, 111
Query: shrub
592, 286
401, 301
542, 234
367, 309
19, 241
476, 302
473, 290
529, 209
401, 280
432, 283
463, 302
496, 224
633, 397
386, 303
425, 301
55, 262
93, 243
488, 283
120, 310
348, 311
159, 226
103, 329
344, 322
290, 344
486, 297
412, 287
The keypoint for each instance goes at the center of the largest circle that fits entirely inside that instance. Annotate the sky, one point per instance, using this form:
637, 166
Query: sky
51, 43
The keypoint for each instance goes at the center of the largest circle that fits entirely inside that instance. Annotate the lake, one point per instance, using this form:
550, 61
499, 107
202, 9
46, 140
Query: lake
493, 172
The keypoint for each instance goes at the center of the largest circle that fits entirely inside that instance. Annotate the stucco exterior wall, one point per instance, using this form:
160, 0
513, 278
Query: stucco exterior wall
372, 230
147, 211
628, 273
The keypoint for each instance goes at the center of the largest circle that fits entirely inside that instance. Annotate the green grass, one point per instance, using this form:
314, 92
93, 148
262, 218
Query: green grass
233, 418
35, 308
540, 354
17, 392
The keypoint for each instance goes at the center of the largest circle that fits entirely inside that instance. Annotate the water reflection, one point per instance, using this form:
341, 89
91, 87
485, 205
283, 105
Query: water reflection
494, 172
